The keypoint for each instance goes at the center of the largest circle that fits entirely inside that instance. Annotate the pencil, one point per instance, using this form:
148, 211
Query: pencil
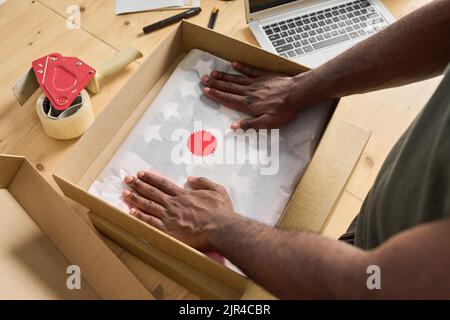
213, 18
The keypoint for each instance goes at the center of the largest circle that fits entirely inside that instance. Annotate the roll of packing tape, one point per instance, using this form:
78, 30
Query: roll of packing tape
69, 124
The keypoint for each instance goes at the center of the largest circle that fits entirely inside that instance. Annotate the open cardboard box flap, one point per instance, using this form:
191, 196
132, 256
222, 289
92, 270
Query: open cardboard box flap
309, 208
41, 236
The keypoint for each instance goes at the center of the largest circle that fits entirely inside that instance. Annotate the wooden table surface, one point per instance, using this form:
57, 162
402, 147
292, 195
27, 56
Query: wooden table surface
32, 28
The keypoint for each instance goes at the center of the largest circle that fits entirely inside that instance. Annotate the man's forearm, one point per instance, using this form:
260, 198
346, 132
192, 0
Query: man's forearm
415, 48
414, 264
292, 264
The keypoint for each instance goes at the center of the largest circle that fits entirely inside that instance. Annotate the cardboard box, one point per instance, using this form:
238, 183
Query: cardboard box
309, 207
40, 236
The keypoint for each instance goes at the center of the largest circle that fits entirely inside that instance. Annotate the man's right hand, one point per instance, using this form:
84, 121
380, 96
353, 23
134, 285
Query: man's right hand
271, 99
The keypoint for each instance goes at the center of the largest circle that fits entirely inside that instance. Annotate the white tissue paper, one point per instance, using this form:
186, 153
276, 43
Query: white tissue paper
130, 6
259, 189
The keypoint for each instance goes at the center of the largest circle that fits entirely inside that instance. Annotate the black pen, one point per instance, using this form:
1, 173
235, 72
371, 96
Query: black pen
166, 22
212, 20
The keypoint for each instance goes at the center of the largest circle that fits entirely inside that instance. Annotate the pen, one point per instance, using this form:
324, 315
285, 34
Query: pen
166, 22
213, 18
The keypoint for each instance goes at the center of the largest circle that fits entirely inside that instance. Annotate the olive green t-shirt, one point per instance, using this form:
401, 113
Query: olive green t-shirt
413, 185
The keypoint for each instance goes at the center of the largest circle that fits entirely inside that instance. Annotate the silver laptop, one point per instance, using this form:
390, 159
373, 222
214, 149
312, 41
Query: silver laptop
311, 32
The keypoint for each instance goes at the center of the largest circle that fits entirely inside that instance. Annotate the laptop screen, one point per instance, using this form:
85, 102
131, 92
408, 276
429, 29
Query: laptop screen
259, 5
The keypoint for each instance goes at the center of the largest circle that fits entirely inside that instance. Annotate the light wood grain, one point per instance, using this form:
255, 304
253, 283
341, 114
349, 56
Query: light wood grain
158, 284
31, 28
98, 18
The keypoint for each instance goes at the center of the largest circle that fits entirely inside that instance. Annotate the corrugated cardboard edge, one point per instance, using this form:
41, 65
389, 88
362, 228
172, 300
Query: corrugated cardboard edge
198, 282
104, 272
195, 36
195, 258
326, 176
9, 165
321, 185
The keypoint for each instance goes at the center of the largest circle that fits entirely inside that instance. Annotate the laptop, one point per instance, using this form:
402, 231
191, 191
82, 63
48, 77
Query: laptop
312, 32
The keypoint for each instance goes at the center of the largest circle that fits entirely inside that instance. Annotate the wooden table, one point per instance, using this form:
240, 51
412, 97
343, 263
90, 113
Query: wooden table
33, 28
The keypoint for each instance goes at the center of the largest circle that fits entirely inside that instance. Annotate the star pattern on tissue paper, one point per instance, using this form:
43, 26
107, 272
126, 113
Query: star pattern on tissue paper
170, 110
203, 67
152, 133
188, 89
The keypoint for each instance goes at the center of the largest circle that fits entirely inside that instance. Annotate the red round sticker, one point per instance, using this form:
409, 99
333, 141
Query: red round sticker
202, 143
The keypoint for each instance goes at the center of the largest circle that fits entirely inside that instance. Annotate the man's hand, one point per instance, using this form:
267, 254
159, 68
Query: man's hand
188, 215
271, 99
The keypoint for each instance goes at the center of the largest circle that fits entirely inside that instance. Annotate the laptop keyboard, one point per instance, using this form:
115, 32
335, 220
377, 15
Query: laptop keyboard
311, 32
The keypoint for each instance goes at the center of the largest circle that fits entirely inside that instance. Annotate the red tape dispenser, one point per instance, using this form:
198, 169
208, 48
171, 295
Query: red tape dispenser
62, 78
64, 108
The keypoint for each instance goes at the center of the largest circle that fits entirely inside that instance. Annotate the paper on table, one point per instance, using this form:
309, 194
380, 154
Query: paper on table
180, 105
129, 6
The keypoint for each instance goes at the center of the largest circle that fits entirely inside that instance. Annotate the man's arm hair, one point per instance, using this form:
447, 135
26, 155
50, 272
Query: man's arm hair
414, 48
295, 265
